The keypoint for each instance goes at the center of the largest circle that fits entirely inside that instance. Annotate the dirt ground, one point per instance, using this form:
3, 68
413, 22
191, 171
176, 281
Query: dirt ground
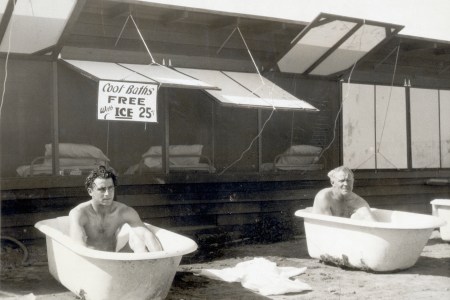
429, 278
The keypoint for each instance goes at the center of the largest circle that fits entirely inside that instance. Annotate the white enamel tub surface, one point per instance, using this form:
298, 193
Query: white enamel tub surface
441, 209
98, 275
393, 243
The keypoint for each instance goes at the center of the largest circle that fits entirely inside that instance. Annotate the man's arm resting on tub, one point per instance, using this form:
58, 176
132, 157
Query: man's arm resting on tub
140, 236
362, 211
76, 231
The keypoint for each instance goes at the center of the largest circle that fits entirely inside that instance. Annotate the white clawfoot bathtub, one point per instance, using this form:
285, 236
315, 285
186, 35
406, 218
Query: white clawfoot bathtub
98, 275
393, 243
441, 209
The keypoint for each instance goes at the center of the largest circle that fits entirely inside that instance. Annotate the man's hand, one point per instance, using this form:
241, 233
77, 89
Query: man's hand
363, 213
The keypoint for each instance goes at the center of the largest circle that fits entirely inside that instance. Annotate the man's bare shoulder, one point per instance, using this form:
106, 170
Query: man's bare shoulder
121, 207
79, 213
80, 208
323, 194
128, 214
322, 202
124, 210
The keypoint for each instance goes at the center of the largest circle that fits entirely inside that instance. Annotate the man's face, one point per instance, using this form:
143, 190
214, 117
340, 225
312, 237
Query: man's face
102, 191
343, 182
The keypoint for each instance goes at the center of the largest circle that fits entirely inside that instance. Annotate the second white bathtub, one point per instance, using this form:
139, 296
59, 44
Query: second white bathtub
393, 243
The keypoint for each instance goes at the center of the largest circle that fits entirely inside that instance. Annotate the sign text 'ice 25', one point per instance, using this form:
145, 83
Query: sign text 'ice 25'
126, 101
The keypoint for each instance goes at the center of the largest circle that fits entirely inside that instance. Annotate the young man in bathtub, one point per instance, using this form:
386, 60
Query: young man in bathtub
339, 199
101, 223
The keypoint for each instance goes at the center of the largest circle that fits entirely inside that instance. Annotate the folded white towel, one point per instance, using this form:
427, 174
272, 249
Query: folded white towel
262, 276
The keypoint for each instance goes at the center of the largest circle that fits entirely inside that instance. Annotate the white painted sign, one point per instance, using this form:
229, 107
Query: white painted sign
126, 101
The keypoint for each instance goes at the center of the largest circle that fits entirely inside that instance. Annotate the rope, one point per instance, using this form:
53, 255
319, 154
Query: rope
249, 147
142, 38
6, 61
251, 56
262, 84
389, 99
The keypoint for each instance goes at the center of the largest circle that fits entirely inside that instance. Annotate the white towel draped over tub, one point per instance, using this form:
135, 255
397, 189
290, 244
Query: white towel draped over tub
262, 276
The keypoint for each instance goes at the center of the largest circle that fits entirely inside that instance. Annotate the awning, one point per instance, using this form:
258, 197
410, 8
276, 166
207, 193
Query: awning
331, 44
247, 89
33, 26
157, 74
106, 71
232, 88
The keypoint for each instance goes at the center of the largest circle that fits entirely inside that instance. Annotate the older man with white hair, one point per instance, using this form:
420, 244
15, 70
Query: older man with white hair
339, 199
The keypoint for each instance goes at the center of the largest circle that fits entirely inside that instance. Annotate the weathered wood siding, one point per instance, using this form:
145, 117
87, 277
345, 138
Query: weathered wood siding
247, 209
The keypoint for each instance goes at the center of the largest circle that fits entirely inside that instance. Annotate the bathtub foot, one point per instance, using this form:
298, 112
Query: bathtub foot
81, 295
342, 262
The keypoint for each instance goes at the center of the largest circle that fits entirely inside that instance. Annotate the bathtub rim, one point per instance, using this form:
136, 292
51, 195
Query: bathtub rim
66, 241
440, 202
435, 222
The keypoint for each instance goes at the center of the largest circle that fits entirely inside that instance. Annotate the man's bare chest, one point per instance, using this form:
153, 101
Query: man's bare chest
341, 209
105, 226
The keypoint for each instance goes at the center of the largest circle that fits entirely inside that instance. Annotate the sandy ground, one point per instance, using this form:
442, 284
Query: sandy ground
429, 278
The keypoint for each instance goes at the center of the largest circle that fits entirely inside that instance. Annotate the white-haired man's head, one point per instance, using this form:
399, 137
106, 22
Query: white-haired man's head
342, 179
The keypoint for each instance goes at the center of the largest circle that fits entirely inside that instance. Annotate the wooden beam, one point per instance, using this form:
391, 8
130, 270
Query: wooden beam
44, 51
225, 22
23, 56
55, 119
213, 130
166, 129
68, 28
105, 35
260, 140
267, 28
408, 127
441, 50
175, 16
6, 18
118, 10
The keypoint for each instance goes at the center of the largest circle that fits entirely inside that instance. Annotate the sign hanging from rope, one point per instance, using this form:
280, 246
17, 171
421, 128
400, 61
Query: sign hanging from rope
127, 101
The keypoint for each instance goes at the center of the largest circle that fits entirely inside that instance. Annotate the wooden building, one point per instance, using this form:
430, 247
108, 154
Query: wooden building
249, 93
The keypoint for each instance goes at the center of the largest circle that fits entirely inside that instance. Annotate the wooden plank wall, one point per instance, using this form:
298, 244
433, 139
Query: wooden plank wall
256, 210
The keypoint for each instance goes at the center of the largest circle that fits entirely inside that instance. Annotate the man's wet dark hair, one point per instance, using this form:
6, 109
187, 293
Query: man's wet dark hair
100, 172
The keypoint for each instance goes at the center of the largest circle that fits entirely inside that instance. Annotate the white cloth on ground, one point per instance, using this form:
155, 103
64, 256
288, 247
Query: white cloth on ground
262, 276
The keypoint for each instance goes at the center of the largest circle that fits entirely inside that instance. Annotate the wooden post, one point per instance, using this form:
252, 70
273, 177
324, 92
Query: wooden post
55, 118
